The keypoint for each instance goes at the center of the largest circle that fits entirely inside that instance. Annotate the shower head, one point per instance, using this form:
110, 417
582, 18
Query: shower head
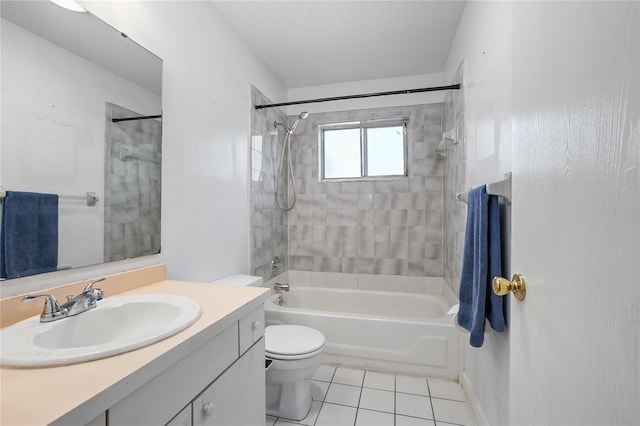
446, 143
301, 116
292, 129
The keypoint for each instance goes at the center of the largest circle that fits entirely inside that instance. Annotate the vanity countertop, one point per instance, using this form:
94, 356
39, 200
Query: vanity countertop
79, 392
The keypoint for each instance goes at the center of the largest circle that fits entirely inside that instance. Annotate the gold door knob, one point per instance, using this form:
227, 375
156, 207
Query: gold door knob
502, 286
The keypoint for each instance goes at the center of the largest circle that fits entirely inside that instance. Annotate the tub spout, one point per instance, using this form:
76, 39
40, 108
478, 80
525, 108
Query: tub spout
279, 286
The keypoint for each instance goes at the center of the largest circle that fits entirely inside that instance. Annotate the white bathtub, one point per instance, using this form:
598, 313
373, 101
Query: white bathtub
401, 332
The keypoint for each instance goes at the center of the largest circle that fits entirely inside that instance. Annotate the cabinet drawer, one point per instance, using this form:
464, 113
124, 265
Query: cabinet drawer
251, 328
158, 401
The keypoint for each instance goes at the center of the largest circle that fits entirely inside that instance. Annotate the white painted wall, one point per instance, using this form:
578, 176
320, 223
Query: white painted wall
53, 133
483, 42
207, 77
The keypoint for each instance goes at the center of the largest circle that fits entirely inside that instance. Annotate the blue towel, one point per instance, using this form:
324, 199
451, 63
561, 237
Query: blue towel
481, 262
29, 235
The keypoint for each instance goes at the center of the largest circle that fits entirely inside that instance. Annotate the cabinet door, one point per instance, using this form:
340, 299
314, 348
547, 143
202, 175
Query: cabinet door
183, 418
158, 400
237, 397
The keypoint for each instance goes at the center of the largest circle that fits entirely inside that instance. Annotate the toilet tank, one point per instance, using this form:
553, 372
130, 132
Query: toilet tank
240, 280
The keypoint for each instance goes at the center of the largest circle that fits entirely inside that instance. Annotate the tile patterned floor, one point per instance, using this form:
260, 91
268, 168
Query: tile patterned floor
347, 396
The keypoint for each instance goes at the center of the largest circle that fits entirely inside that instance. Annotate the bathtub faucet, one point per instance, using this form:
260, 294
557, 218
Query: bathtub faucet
279, 286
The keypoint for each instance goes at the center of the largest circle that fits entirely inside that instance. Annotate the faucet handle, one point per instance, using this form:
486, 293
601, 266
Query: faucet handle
280, 286
97, 293
52, 309
89, 286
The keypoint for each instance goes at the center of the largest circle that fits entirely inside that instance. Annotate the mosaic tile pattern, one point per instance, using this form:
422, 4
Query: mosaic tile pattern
388, 227
132, 186
455, 212
268, 223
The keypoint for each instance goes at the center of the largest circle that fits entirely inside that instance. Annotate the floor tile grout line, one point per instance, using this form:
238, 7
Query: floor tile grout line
324, 397
449, 399
433, 413
345, 405
319, 411
374, 410
360, 397
422, 418
395, 402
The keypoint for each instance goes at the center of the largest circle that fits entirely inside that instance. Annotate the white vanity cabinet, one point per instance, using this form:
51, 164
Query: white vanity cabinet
221, 382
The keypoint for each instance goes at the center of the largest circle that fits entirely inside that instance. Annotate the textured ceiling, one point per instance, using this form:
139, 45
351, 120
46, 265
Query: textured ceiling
308, 43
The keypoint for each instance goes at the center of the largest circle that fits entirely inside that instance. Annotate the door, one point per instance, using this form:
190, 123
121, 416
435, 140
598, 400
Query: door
574, 340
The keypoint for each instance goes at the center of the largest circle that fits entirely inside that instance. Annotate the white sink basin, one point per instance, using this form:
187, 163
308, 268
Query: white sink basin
118, 324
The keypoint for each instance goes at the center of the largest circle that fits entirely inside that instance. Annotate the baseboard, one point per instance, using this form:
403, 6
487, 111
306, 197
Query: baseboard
481, 418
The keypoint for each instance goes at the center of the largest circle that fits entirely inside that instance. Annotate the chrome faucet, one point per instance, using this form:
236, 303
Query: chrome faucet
279, 286
75, 305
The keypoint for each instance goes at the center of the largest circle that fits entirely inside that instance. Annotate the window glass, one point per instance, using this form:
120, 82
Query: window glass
385, 151
342, 153
374, 149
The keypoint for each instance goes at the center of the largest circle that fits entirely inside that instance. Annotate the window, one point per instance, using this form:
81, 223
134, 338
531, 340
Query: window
371, 149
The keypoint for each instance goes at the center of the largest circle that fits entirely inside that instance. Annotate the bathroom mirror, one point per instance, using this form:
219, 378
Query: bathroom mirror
65, 76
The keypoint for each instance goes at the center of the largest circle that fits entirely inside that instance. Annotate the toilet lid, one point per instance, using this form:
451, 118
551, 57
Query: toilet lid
292, 340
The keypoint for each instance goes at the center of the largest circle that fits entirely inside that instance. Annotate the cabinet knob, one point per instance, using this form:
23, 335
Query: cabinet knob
255, 324
207, 409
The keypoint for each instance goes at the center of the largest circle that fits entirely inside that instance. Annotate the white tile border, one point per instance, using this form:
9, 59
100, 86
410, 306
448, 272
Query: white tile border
334, 279
366, 281
318, 279
374, 282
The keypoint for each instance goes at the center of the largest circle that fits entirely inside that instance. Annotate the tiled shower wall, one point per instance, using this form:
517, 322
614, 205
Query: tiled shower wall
268, 223
385, 227
132, 185
455, 212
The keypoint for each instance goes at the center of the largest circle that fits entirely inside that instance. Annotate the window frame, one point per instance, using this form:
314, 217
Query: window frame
363, 126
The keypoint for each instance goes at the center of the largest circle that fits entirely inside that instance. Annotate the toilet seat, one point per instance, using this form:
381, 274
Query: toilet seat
290, 342
293, 357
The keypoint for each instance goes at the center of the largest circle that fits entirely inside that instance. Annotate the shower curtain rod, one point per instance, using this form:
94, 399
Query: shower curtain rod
142, 117
363, 95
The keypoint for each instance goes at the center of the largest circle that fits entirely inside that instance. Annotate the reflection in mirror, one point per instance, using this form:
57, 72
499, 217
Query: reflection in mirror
65, 77
132, 184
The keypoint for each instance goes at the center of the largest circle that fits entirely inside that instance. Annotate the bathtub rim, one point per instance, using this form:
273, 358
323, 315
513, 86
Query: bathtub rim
441, 299
434, 286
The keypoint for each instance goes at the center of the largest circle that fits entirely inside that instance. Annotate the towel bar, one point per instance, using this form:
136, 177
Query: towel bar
91, 198
501, 188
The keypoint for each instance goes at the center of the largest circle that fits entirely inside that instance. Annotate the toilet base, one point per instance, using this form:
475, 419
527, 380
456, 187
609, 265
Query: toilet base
289, 400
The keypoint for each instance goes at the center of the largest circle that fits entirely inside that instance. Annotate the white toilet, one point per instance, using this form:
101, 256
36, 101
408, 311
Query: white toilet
293, 354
